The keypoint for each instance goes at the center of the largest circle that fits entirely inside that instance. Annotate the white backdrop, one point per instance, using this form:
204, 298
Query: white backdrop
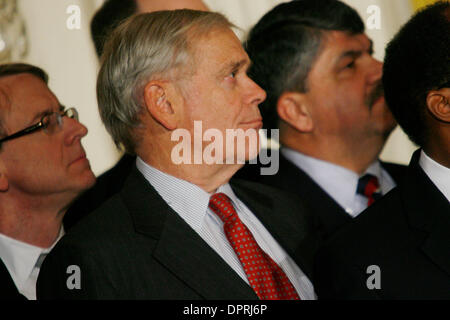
69, 58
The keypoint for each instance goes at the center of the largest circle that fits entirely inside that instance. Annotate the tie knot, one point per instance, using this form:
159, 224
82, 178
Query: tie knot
368, 185
221, 205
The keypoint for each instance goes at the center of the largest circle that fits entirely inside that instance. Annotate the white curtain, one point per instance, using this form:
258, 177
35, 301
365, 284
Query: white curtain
68, 56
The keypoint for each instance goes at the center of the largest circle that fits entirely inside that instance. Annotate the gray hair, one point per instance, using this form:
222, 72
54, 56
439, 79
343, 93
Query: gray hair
145, 47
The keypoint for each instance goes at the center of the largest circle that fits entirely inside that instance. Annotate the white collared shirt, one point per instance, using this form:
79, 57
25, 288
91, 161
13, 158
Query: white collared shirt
23, 262
437, 173
190, 202
338, 182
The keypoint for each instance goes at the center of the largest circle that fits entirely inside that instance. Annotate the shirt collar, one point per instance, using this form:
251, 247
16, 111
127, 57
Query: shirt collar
20, 258
186, 199
437, 173
338, 182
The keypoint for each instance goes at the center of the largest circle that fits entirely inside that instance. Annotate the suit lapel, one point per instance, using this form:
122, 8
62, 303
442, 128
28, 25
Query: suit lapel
183, 251
278, 224
180, 249
428, 210
290, 229
437, 246
330, 215
8, 290
396, 171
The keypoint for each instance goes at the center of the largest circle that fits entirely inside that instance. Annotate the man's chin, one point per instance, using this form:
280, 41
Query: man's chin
87, 180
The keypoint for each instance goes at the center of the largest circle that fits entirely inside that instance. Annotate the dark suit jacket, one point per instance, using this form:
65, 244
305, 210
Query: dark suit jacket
108, 184
406, 234
8, 290
330, 216
136, 247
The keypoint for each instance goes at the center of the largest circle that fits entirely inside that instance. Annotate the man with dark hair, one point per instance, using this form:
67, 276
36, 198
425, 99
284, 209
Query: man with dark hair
400, 247
324, 94
182, 229
43, 167
110, 14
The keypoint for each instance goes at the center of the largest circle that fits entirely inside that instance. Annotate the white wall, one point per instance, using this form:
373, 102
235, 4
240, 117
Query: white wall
69, 58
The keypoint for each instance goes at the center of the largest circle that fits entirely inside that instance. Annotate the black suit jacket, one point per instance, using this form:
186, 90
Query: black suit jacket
406, 234
136, 247
329, 215
108, 184
8, 290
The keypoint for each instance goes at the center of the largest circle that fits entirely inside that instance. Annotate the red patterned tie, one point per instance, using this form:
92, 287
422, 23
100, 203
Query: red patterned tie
265, 276
368, 186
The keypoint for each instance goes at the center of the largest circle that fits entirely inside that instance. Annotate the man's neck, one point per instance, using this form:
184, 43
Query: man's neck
439, 150
356, 157
207, 177
156, 150
24, 221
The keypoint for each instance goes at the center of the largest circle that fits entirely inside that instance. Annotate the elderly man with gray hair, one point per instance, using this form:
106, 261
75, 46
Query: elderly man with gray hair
182, 229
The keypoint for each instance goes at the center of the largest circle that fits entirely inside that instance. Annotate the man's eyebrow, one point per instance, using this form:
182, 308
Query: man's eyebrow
349, 54
235, 65
42, 113
354, 53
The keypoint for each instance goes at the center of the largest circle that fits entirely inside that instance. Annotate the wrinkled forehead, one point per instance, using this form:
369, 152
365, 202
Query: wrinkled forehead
23, 86
216, 48
338, 45
341, 41
5, 100
24, 95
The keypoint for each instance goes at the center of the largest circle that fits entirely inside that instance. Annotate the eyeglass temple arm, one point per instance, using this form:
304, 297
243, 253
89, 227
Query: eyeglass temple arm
23, 132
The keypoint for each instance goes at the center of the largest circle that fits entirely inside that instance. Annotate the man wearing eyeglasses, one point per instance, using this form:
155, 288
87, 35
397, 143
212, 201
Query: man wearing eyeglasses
43, 168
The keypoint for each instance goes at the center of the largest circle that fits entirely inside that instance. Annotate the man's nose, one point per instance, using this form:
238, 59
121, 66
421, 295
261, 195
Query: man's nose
75, 130
376, 71
257, 94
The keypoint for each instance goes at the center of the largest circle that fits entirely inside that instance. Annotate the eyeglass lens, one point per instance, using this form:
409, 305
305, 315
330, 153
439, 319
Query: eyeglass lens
54, 121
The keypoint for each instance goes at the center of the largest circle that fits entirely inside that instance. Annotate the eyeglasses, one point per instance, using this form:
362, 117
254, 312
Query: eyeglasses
50, 123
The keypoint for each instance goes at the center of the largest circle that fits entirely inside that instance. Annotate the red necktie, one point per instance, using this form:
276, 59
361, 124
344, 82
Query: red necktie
368, 186
266, 278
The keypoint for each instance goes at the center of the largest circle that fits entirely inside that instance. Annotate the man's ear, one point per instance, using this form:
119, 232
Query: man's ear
159, 99
292, 107
438, 103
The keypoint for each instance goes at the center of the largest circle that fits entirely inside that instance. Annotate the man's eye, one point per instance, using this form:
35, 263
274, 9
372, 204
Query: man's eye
233, 74
350, 65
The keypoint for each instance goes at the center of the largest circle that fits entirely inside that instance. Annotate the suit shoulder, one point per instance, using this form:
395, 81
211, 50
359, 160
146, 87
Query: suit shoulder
111, 218
395, 170
266, 190
376, 227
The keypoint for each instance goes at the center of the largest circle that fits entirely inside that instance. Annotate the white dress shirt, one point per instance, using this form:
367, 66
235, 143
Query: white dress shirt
338, 182
23, 262
190, 202
437, 173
